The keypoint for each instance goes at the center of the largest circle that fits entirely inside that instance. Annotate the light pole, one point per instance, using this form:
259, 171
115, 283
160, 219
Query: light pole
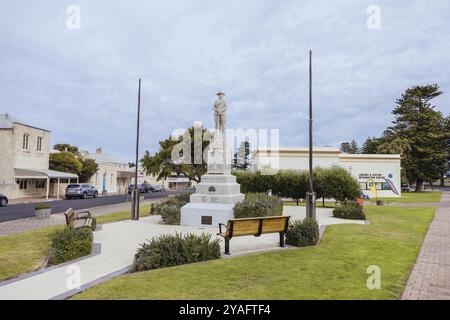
135, 198
310, 195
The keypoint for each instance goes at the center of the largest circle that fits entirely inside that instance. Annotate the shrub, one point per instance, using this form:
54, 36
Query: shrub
42, 206
258, 205
303, 233
170, 213
170, 250
94, 223
349, 211
170, 209
69, 244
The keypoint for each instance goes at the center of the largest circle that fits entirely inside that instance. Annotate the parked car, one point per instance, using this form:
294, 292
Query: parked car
406, 187
81, 190
160, 188
142, 188
148, 187
3, 200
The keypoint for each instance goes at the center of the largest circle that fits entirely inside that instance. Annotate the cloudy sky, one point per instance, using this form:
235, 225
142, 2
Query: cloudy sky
82, 83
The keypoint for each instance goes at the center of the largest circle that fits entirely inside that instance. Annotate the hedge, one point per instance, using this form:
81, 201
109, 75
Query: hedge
170, 209
303, 233
169, 250
69, 244
258, 205
335, 182
349, 211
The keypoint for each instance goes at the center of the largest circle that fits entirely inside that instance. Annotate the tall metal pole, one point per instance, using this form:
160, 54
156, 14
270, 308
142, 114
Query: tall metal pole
310, 196
310, 125
135, 201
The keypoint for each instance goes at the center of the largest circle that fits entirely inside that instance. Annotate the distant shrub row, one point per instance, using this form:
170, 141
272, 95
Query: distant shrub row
335, 182
349, 210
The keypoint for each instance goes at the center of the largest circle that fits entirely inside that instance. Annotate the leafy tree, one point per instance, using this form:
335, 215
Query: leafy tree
66, 147
89, 168
420, 134
163, 166
65, 161
350, 147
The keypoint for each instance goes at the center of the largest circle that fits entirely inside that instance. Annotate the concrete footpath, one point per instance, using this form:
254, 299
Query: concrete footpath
115, 246
28, 224
430, 277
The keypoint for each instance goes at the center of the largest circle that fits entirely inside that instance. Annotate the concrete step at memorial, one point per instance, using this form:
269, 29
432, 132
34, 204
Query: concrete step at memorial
205, 188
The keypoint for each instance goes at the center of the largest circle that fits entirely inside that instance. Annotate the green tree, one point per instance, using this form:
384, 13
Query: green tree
350, 147
420, 134
163, 166
89, 168
66, 147
65, 161
370, 146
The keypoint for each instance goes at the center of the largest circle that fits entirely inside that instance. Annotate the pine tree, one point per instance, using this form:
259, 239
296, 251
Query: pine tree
419, 133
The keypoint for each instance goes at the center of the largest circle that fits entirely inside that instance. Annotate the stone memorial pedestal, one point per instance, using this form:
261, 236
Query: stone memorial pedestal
217, 193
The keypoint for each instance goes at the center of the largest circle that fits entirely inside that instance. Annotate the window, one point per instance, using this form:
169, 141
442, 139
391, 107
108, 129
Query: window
23, 184
363, 186
26, 137
40, 184
39, 144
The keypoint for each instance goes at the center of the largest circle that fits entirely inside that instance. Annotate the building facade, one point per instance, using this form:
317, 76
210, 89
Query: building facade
113, 175
24, 161
380, 170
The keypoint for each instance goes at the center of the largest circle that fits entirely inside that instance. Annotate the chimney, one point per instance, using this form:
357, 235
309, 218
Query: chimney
98, 150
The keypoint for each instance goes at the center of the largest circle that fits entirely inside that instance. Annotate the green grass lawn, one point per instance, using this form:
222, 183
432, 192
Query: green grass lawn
410, 197
336, 269
27, 251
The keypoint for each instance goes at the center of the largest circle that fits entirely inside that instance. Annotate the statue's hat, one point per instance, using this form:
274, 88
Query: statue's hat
219, 93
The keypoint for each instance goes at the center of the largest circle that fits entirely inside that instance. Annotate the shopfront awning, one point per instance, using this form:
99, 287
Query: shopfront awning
42, 173
20, 173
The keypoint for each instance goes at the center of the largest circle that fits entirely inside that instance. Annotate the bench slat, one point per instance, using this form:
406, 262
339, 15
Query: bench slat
274, 225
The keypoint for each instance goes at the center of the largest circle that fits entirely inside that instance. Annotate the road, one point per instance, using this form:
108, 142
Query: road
26, 210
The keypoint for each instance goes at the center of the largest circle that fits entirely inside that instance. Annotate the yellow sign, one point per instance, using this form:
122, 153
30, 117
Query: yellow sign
373, 187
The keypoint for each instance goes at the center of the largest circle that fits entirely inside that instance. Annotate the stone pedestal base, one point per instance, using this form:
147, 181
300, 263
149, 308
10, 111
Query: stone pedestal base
206, 214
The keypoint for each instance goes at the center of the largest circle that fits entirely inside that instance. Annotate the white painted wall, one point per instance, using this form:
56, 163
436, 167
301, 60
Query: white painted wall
361, 166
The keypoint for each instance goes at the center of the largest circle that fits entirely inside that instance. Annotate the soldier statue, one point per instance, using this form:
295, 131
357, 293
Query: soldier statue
220, 116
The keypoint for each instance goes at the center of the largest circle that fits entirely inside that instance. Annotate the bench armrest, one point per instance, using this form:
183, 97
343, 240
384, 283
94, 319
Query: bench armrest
220, 227
83, 215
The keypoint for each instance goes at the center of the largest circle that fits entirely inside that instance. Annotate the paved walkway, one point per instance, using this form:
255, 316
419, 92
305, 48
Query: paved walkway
28, 224
430, 277
116, 244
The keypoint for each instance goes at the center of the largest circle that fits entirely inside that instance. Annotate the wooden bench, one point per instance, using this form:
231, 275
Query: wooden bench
77, 220
254, 227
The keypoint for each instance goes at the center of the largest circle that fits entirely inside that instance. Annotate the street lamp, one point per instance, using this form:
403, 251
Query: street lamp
135, 198
310, 195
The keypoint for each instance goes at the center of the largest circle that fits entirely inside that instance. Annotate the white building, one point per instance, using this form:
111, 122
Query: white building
113, 175
383, 170
24, 162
